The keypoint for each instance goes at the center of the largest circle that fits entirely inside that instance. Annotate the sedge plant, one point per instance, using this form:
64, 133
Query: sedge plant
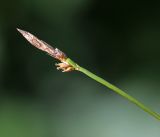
66, 65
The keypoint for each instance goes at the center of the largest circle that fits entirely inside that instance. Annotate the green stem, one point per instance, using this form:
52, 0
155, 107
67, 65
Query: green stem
114, 88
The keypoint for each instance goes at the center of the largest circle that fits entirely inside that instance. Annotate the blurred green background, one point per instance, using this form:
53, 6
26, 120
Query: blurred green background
118, 40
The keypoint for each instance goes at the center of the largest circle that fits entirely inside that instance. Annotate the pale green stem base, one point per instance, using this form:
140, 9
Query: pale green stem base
114, 88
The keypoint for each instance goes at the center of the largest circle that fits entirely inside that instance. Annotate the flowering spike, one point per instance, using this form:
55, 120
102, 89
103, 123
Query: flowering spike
67, 65
54, 52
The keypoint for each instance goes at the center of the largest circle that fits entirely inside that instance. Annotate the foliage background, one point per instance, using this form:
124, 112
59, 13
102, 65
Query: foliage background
119, 40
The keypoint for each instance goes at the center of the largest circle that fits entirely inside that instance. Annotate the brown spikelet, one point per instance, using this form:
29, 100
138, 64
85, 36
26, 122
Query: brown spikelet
54, 52
40, 44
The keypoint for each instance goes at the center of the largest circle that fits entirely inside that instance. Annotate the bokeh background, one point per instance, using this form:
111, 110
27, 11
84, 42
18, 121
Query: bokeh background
118, 40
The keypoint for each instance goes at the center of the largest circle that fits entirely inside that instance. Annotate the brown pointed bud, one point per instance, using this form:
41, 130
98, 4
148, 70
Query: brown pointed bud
54, 52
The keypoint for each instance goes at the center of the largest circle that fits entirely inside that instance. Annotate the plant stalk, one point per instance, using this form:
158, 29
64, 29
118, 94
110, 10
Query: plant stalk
113, 88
